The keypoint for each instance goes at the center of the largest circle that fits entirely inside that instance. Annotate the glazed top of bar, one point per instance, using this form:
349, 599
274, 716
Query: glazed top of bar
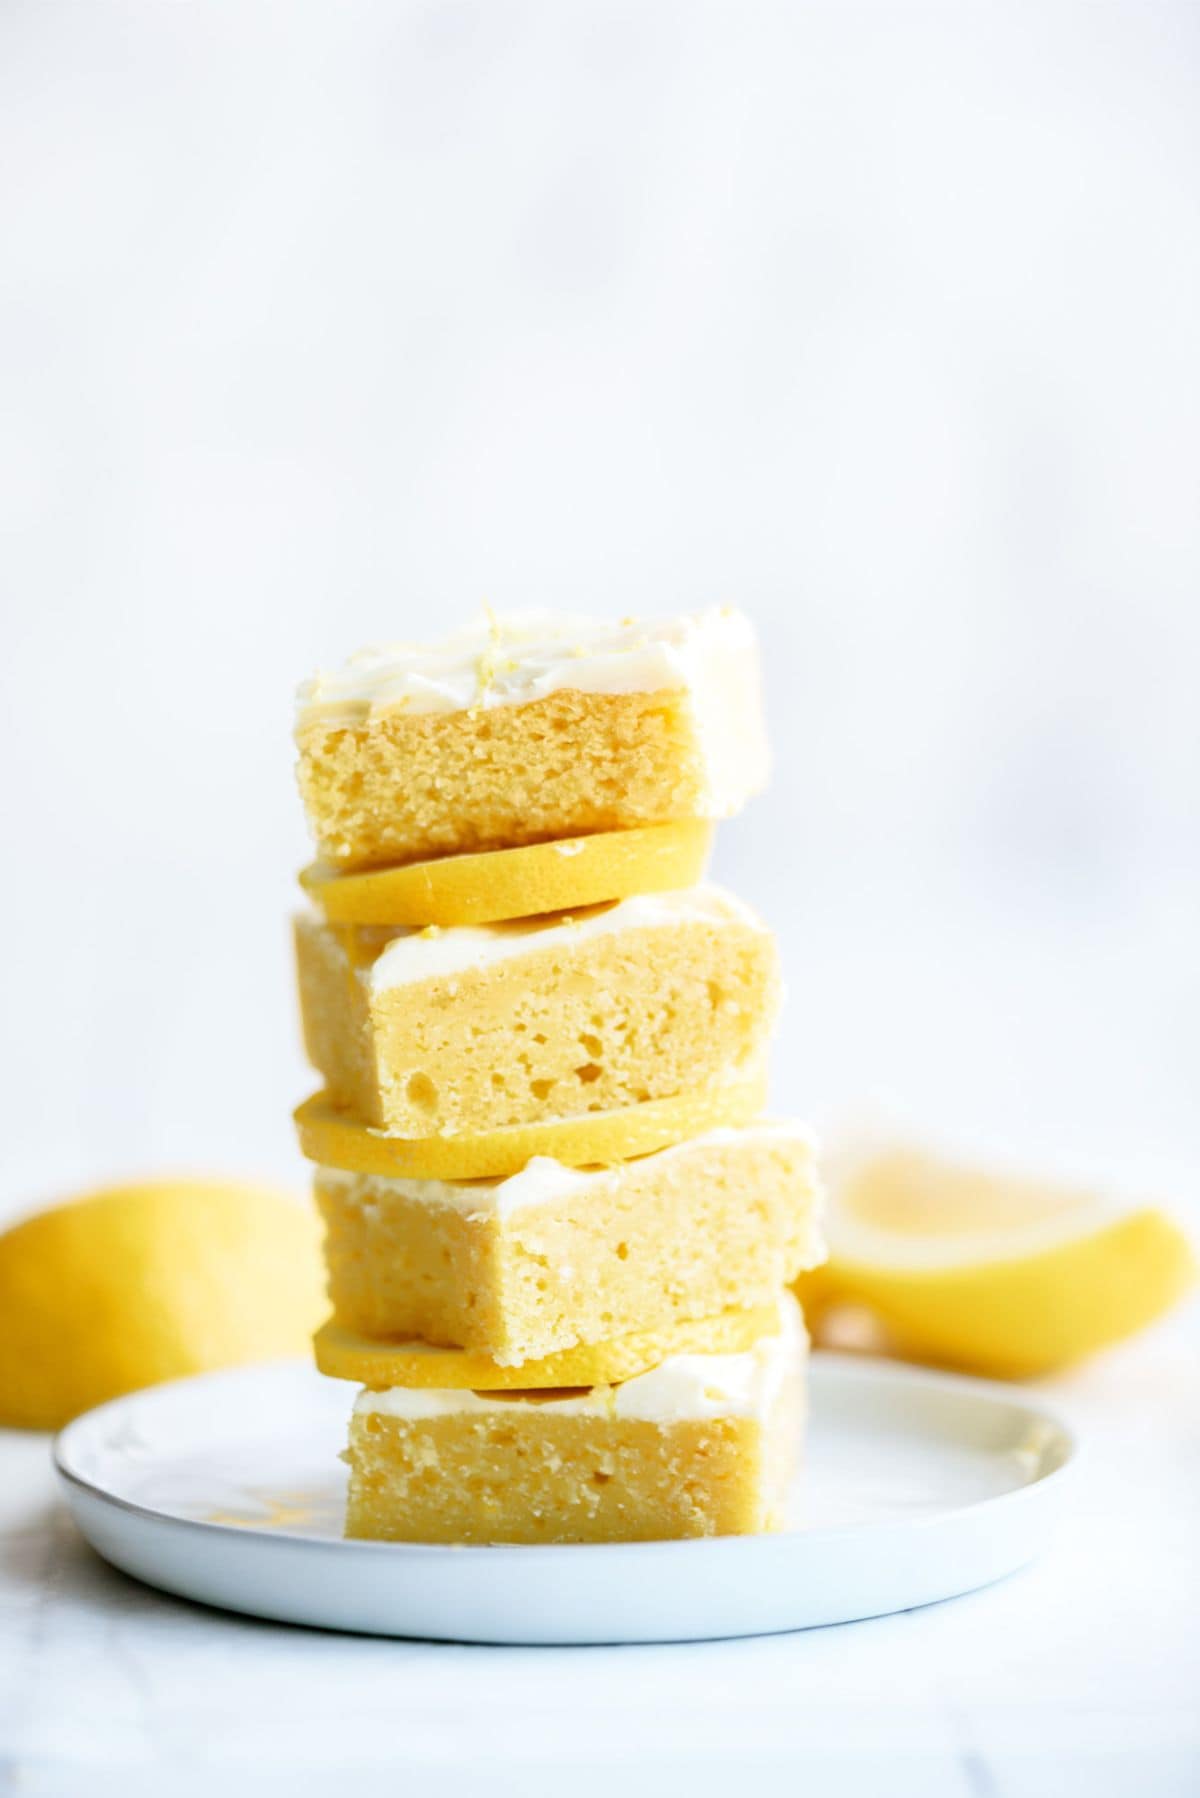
512, 658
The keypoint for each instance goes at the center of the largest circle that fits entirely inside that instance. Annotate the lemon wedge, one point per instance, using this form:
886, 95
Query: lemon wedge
517, 883
596, 1138
147, 1282
990, 1273
347, 1356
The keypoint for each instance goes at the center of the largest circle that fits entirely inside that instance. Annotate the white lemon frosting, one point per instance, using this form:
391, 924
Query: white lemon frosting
683, 1388
514, 658
542, 1181
433, 953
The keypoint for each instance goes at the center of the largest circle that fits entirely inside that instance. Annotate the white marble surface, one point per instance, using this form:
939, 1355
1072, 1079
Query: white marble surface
1076, 1676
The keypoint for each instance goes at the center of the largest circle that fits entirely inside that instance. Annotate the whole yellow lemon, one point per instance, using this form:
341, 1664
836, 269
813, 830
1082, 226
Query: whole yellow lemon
135, 1284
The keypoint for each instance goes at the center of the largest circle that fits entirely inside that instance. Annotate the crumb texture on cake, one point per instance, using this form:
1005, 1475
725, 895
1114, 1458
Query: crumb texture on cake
704, 1445
521, 1268
404, 787
575, 1021
520, 730
537, 1478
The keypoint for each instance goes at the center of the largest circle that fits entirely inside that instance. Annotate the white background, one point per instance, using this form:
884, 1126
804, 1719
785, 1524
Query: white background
325, 324
322, 324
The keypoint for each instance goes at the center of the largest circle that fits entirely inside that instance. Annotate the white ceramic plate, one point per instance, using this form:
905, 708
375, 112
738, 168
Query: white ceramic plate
227, 1488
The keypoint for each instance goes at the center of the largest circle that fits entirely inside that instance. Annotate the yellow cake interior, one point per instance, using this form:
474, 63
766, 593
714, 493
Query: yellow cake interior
398, 786
702, 1446
518, 1269
552, 1021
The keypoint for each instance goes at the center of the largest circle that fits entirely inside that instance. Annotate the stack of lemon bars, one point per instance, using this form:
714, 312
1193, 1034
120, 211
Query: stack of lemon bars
559, 1229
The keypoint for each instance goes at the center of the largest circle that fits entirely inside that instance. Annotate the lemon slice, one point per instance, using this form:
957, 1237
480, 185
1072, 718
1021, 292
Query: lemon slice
347, 1356
991, 1273
335, 1139
517, 883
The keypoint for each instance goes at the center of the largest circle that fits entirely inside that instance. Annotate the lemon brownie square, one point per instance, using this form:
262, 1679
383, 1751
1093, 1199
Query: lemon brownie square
472, 1029
701, 1445
553, 1256
527, 727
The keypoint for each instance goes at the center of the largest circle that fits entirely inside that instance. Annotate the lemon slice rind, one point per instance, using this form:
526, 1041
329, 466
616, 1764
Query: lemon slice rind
332, 1138
1009, 1303
527, 882
345, 1355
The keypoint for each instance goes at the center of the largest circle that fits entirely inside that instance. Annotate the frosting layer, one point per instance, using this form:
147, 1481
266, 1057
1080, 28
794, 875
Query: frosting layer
681, 1388
412, 955
542, 1181
511, 658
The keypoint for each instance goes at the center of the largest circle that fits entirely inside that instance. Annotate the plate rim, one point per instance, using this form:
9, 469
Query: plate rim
838, 1362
